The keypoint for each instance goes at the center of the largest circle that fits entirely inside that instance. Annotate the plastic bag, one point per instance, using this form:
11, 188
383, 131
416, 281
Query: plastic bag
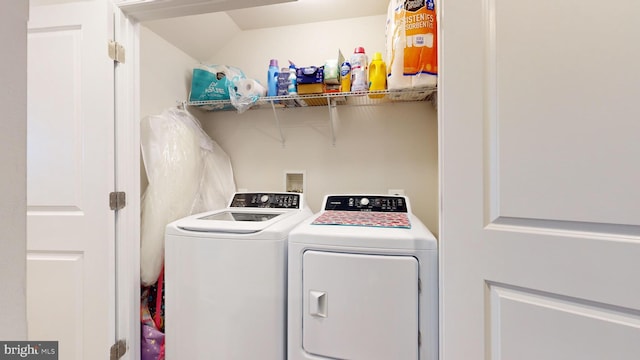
411, 44
224, 82
244, 93
151, 343
212, 82
188, 173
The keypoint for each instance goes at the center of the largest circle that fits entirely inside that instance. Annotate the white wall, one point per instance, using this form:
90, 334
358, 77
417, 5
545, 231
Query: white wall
13, 160
305, 45
165, 78
165, 73
378, 147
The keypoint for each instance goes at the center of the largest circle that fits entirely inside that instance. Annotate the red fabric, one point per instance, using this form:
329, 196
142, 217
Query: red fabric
157, 318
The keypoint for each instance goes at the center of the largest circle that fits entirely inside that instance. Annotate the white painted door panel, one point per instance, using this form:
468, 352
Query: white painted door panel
360, 306
527, 325
70, 228
562, 122
539, 144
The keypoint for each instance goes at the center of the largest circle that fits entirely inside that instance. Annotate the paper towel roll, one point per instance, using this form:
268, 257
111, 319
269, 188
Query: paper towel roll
245, 93
396, 79
250, 88
390, 27
422, 80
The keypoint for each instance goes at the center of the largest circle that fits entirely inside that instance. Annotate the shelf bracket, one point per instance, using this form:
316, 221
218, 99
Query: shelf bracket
330, 106
275, 115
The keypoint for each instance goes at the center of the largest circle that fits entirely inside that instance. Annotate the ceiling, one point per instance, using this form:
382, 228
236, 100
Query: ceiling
186, 33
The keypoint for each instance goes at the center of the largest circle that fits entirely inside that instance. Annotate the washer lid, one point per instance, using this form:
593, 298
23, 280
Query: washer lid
239, 221
248, 212
239, 216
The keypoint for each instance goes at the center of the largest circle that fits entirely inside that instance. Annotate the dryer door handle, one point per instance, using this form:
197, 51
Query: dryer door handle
318, 303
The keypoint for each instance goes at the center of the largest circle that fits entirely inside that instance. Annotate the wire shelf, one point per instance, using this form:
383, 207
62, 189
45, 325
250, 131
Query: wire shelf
338, 98
329, 100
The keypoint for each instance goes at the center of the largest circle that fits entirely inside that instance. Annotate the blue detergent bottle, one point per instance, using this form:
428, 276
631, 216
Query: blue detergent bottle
272, 78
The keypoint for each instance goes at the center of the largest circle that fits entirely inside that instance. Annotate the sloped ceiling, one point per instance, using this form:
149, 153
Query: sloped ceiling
305, 11
144, 10
198, 35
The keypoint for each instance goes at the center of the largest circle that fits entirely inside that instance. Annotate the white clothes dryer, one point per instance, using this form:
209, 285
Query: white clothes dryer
363, 282
225, 279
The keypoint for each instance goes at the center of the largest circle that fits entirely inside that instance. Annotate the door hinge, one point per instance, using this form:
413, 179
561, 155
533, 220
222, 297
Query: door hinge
118, 350
117, 200
116, 52
419, 286
419, 338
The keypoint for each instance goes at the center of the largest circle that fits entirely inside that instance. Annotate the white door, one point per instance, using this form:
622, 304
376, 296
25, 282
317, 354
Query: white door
70, 227
540, 175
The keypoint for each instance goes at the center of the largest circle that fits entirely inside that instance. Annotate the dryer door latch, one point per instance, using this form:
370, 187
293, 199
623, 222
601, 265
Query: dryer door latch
318, 303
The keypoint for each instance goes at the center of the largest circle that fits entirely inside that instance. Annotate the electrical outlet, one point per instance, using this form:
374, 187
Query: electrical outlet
396, 191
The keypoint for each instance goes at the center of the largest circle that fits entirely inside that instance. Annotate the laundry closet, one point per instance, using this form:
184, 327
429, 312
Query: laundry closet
514, 190
363, 146
343, 145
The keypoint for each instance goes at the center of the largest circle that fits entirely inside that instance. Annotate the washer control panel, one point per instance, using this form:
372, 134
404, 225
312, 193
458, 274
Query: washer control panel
379, 203
267, 200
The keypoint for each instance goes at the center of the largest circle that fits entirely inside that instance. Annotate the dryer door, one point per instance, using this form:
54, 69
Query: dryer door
359, 306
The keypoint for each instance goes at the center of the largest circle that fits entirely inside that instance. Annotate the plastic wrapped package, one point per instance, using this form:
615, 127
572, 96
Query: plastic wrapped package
244, 93
411, 44
224, 82
212, 82
188, 173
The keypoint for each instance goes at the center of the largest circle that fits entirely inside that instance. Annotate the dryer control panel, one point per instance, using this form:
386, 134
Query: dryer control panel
378, 203
267, 200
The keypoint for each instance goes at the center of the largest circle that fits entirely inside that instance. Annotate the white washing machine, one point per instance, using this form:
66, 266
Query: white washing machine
363, 282
225, 279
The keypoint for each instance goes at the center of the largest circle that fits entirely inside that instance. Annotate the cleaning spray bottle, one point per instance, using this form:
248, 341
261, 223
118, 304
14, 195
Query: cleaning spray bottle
293, 79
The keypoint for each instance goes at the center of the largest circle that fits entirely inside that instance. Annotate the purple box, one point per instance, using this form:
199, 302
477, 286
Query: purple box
283, 82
